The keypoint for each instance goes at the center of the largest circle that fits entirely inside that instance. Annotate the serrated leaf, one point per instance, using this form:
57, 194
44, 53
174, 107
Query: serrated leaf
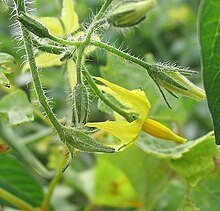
17, 106
169, 150
14, 178
197, 162
209, 25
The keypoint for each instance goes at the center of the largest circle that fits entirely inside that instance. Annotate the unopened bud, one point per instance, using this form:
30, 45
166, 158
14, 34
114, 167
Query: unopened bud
80, 105
129, 13
34, 26
175, 82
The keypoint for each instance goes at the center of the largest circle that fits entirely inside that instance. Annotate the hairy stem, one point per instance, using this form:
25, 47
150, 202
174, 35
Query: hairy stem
128, 116
17, 202
34, 71
96, 22
53, 184
121, 54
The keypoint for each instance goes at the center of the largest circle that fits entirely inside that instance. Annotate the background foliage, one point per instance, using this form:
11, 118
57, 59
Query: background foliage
153, 175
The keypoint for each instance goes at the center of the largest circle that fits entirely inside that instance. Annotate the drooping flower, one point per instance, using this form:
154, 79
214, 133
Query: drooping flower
61, 27
135, 101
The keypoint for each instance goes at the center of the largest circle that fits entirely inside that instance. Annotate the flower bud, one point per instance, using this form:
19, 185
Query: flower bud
175, 82
78, 140
34, 26
80, 105
130, 12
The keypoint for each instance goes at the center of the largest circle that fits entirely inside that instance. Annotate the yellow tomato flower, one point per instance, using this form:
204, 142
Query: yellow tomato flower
127, 132
60, 27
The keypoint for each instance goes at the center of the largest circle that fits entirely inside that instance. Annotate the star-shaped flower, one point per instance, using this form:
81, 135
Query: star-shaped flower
134, 101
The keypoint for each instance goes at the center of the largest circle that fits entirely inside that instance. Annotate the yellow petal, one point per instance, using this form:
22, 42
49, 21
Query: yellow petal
125, 131
45, 60
69, 17
48, 60
136, 100
54, 25
71, 71
158, 130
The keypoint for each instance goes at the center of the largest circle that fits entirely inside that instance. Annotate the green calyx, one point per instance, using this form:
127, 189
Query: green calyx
80, 105
78, 140
175, 83
34, 26
129, 13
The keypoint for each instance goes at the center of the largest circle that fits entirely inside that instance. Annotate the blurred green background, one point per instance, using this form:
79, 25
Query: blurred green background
130, 179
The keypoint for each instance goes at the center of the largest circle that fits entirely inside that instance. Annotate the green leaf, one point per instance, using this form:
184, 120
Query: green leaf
172, 197
7, 63
206, 194
14, 178
148, 175
112, 186
17, 106
197, 162
209, 25
4, 81
169, 150
187, 204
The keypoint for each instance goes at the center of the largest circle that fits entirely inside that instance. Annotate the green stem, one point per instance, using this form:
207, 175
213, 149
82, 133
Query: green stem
34, 71
121, 54
103, 9
65, 42
97, 21
17, 202
53, 184
39, 136
79, 60
58, 50
48, 48
22, 152
128, 116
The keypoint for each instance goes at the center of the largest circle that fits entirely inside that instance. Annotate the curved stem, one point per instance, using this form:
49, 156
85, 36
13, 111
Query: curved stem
103, 9
97, 20
53, 184
17, 202
128, 116
34, 71
21, 151
64, 42
121, 54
